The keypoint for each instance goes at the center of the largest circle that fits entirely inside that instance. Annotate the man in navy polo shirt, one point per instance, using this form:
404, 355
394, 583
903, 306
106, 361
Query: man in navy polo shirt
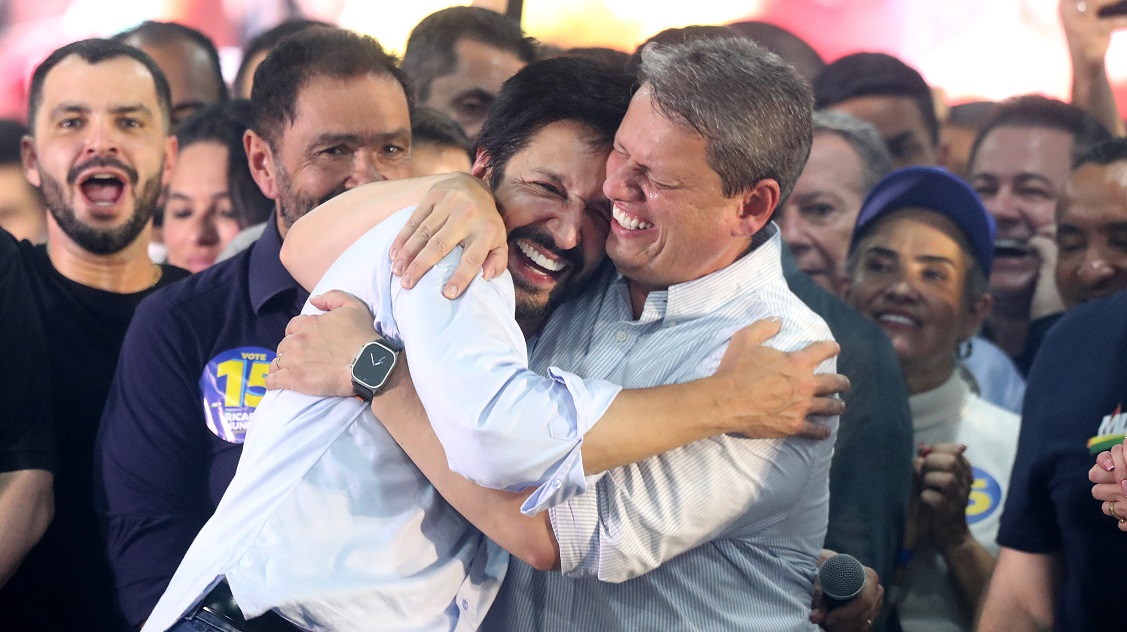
332, 115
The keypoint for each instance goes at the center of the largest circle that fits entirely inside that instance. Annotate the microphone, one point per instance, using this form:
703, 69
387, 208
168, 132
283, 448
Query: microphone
842, 578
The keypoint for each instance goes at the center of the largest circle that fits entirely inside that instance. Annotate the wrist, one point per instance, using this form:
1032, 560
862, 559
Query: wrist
372, 366
1086, 65
723, 416
957, 544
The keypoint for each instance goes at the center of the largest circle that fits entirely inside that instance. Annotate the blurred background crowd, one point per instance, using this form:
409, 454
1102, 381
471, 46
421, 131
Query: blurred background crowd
962, 217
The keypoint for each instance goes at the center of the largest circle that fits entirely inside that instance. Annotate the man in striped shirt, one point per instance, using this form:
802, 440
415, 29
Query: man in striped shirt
722, 534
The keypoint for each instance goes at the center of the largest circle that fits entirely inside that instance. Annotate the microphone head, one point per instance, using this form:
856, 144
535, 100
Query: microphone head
842, 577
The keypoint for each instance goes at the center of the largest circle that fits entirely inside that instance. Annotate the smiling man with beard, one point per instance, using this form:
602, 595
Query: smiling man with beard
331, 114
100, 152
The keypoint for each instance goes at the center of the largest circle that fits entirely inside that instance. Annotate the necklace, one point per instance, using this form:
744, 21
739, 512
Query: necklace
158, 272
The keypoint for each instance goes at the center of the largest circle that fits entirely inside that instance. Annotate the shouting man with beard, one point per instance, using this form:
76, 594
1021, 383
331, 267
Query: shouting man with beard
100, 152
331, 114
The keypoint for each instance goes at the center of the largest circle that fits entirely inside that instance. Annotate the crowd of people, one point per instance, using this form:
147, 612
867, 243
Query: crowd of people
681, 324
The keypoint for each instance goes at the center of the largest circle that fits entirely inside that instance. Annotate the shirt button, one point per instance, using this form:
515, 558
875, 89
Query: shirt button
465, 604
620, 336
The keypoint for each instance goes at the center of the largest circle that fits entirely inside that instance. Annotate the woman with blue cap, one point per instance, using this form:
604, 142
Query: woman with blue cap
918, 266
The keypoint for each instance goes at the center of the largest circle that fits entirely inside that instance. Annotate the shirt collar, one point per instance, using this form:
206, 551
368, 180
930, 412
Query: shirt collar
942, 404
703, 296
267, 276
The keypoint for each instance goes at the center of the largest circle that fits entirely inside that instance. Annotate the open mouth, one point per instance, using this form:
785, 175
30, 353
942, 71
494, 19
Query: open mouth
539, 259
629, 222
1011, 248
103, 189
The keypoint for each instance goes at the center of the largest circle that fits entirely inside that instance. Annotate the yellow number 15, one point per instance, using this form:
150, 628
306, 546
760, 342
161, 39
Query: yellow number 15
235, 391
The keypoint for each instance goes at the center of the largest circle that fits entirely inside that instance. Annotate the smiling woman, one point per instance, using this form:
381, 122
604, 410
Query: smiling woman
212, 196
918, 263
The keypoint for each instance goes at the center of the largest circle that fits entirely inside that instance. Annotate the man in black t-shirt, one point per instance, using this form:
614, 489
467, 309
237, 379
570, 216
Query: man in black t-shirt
1061, 561
100, 152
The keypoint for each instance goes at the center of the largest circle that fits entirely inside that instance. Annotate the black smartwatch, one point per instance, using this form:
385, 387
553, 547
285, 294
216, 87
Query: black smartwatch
371, 368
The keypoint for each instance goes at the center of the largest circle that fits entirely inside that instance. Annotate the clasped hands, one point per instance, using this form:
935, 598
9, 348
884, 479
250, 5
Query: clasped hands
941, 491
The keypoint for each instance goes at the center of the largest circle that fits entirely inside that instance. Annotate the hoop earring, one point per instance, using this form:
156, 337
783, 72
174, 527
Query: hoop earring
965, 349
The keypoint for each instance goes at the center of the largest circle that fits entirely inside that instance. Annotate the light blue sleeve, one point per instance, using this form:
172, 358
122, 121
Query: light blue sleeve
502, 425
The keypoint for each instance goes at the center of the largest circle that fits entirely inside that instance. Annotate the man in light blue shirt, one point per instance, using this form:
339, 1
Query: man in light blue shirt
327, 522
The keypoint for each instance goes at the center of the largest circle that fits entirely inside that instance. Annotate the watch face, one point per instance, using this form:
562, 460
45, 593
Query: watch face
373, 365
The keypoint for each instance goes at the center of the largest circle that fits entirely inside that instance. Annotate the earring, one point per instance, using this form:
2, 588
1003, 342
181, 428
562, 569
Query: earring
965, 348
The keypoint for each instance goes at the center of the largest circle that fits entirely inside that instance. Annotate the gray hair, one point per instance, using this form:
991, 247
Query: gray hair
752, 108
864, 139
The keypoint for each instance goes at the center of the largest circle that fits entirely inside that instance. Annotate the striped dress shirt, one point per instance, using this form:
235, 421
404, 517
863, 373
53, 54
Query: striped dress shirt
722, 534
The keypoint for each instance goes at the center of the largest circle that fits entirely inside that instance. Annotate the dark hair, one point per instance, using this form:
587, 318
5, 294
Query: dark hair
94, 51
266, 41
1035, 110
672, 37
225, 123
793, 49
752, 108
875, 74
431, 126
608, 57
11, 137
157, 33
559, 89
1105, 153
320, 52
430, 48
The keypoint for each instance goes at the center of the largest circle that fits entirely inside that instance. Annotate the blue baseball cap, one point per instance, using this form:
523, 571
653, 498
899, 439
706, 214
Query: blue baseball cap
934, 189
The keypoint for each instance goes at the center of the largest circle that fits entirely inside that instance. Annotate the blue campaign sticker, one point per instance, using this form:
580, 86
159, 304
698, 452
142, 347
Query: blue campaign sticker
985, 496
232, 384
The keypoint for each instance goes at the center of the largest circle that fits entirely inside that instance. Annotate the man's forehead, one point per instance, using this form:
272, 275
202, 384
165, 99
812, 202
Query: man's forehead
833, 153
470, 51
327, 104
569, 154
1044, 150
386, 89
886, 112
110, 81
1098, 185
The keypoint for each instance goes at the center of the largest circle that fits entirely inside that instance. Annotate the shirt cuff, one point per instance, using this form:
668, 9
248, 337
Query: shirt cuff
567, 480
576, 525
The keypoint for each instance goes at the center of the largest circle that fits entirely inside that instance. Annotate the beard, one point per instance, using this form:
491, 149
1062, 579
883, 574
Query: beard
101, 241
532, 304
293, 204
